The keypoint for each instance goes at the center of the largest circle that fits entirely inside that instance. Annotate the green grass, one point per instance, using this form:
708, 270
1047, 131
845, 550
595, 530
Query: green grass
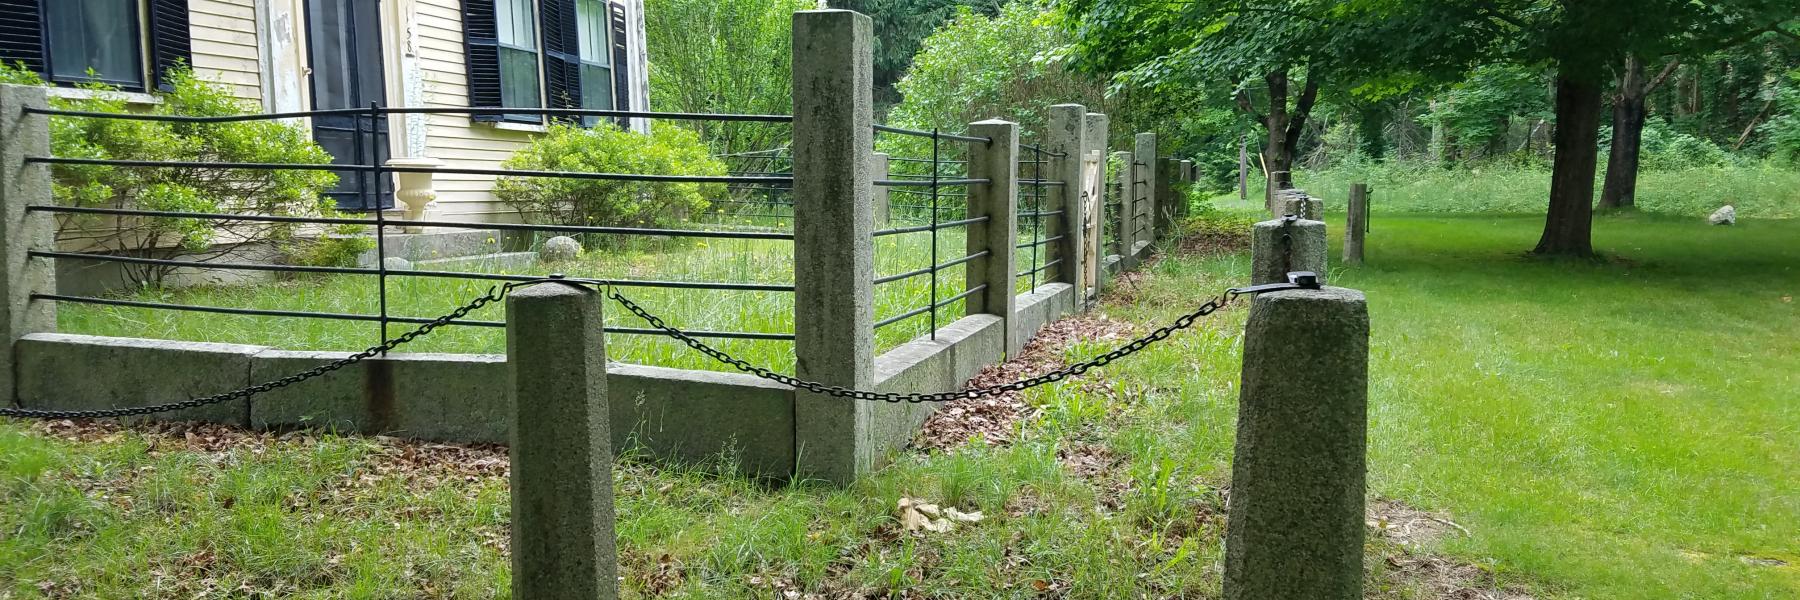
719, 260
1617, 429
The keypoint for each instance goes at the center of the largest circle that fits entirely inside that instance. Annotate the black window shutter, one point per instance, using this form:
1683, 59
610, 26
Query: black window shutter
562, 55
481, 54
170, 41
621, 62
22, 34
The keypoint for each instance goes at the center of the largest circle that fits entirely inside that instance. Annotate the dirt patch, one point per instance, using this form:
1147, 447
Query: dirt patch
1412, 534
993, 420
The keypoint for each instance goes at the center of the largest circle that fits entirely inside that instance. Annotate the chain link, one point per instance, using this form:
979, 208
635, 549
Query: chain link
1184, 322
494, 294
498, 293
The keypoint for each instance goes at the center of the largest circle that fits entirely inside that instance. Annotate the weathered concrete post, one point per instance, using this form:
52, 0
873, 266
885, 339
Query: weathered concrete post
1067, 134
1124, 225
1281, 246
998, 162
834, 269
1356, 224
1295, 529
1144, 157
1098, 126
881, 205
562, 496
1169, 208
22, 185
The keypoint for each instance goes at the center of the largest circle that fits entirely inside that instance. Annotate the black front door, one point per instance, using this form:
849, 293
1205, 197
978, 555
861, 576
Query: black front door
344, 38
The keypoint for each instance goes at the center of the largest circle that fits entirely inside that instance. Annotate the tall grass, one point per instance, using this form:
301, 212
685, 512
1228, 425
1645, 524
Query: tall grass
733, 261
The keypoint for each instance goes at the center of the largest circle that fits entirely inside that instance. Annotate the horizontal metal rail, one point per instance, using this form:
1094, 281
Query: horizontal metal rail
129, 212
943, 225
919, 311
1043, 182
1045, 267
929, 270
683, 285
946, 136
1042, 242
929, 183
1040, 214
435, 110
927, 160
1031, 148
752, 180
259, 312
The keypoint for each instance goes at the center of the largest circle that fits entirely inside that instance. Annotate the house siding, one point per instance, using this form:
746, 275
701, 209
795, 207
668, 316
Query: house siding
457, 140
224, 42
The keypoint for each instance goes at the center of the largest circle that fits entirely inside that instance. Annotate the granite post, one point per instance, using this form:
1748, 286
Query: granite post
1295, 524
562, 496
1067, 136
998, 162
881, 207
834, 268
1281, 246
24, 184
1144, 158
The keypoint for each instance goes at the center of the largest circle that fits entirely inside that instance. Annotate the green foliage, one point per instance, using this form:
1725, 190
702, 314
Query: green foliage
186, 189
901, 27
1665, 149
667, 150
343, 246
977, 67
1784, 130
724, 56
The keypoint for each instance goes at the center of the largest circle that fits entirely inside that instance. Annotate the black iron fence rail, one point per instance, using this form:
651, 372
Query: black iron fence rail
931, 227
433, 110
933, 308
933, 135
700, 233
768, 178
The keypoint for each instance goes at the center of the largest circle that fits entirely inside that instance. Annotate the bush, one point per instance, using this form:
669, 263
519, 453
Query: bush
667, 150
186, 189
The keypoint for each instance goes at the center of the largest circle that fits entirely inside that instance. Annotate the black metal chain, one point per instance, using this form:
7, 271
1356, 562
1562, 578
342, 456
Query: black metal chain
1185, 321
498, 293
494, 294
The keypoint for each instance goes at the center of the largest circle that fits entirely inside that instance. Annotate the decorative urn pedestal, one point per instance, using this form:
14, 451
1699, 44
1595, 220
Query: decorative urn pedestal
414, 190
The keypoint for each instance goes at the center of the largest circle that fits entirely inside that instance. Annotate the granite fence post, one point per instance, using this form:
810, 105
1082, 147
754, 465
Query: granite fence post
1295, 524
834, 269
1144, 159
998, 162
1281, 246
1066, 139
562, 496
21, 185
881, 204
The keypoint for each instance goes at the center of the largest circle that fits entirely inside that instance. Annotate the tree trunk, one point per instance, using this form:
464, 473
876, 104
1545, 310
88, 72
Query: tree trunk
1243, 166
1568, 228
1628, 138
1278, 157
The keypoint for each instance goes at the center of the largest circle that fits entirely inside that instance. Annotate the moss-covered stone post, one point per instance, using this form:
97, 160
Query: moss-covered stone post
24, 184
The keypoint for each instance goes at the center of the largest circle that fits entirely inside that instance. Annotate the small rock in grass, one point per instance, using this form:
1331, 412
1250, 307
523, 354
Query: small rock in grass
395, 263
1724, 216
561, 248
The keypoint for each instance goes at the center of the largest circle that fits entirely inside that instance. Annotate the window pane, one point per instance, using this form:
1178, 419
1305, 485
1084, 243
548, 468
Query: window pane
590, 19
518, 78
517, 23
94, 34
596, 87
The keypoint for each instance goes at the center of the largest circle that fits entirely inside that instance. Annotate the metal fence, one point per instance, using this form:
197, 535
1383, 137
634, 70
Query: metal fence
933, 188
382, 225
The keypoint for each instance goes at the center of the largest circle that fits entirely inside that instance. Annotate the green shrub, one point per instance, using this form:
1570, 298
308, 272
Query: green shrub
667, 150
187, 189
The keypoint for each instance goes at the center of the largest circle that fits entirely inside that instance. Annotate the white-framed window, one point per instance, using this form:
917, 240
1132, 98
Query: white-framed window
517, 26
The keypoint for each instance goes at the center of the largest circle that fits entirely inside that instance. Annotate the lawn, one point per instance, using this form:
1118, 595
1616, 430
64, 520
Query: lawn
1616, 429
